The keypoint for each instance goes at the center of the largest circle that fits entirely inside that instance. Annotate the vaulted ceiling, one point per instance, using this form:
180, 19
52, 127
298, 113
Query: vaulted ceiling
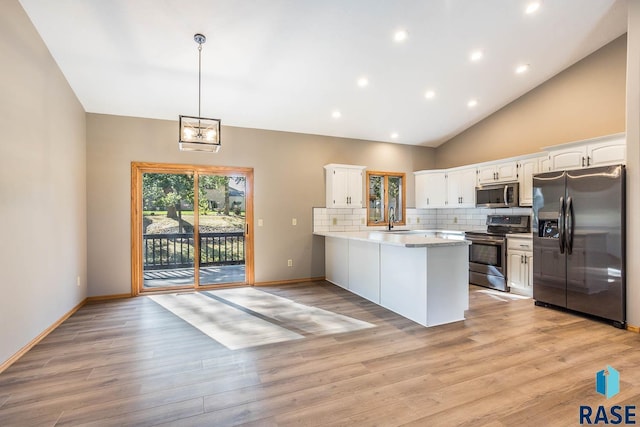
328, 67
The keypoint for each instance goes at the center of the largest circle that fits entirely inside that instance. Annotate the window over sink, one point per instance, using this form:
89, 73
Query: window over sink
385, 198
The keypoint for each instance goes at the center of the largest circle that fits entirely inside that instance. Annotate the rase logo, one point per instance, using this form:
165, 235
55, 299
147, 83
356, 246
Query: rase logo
608, 385
608, 382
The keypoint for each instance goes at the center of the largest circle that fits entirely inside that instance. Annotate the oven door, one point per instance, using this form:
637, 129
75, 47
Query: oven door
487, 262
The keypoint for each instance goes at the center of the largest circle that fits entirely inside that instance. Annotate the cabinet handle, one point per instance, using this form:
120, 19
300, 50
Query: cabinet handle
588, 160
583, 161
497, 175
524, 246
427, 200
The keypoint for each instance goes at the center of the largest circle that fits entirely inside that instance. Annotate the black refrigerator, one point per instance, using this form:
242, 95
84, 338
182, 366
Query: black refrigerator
579, 241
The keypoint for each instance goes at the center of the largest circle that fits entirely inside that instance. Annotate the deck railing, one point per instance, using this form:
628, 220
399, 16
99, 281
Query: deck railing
176, 250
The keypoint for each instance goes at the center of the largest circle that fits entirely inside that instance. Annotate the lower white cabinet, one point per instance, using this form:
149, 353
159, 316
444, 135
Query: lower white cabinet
364, 269
335, 261
520, 265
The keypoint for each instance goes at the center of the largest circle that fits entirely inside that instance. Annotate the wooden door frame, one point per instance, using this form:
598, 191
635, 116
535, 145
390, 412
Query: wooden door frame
139, 168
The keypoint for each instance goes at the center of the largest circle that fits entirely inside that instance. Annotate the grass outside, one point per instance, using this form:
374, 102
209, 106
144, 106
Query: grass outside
159, 223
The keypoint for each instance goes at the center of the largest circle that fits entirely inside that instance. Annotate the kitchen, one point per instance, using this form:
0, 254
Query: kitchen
109, 143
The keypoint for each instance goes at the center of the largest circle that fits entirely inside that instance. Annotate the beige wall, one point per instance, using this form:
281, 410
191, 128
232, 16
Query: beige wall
584, 101
42, 186
633, 165
288, 182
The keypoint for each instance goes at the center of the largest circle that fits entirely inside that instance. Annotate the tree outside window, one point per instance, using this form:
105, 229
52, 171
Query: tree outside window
385, 190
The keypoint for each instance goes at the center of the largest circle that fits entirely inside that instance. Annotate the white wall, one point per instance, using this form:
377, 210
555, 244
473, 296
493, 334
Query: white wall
42, 186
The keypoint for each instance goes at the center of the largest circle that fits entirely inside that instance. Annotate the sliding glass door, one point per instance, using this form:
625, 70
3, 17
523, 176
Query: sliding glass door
222, 222
168, 245
190, 227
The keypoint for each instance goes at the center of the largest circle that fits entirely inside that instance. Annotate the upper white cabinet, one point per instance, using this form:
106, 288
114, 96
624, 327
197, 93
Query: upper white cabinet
461, 187
344, 186
431, 189
497, 172
603, 151
526, 169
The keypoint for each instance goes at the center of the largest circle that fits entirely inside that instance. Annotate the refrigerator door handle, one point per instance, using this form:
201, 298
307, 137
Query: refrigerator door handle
561, 229
568, 223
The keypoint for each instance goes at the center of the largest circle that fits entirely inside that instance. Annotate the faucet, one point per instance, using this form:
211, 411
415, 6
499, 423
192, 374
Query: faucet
392, 216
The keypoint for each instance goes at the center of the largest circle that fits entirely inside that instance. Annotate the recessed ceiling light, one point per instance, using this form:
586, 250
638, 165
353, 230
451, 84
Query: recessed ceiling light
336, 114
472, 103
476, 55
532, 7
363, 81
400, 36
394, 135
522, 68
429, 94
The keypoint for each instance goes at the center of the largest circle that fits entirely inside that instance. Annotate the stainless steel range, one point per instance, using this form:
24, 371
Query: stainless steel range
488, 249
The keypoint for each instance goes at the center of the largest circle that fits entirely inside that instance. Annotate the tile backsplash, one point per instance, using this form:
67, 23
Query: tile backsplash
331, 219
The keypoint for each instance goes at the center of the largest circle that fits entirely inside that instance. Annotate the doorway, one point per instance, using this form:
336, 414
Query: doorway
190, 227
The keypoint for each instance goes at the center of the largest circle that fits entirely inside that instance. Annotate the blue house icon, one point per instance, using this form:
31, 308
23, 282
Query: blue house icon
608, 382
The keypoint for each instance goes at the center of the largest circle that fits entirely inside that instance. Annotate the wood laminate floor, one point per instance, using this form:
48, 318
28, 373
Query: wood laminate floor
131, 362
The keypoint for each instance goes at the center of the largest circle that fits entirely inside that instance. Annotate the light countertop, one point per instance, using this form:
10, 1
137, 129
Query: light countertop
406, 238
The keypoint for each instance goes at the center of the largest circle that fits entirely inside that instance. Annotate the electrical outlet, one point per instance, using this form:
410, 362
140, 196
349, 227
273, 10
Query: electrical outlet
294, 221
362, 221
418, 220
260, 222
289, 263
78, 281
334, 221
455, 219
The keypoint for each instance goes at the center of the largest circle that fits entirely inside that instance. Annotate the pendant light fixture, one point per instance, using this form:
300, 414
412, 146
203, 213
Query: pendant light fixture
199, 133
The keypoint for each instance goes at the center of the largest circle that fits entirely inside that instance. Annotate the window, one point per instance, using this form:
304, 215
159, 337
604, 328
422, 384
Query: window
385, 196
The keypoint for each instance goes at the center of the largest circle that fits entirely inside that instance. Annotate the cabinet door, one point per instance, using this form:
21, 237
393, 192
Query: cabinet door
354, 188
501, 172
462, 188
487, 175
568, 158
507, 171
525, 178
529, 271
431, 190
421, 182
515, 263
336, 265
607, 153
337, 188
544, 164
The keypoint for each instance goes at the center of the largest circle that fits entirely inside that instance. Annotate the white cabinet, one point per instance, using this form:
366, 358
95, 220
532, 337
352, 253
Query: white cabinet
364, 269
344, 186
497, 172
520, 265
609, 150
431, 189
526, 169
461, 188
336, 261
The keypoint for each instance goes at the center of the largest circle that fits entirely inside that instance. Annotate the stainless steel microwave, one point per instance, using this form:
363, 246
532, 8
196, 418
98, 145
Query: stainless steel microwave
497, 195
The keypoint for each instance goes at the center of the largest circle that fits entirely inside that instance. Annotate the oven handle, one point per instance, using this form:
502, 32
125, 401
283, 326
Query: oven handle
495, 242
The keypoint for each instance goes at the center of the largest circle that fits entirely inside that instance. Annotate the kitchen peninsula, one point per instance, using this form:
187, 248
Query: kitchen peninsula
421, 275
